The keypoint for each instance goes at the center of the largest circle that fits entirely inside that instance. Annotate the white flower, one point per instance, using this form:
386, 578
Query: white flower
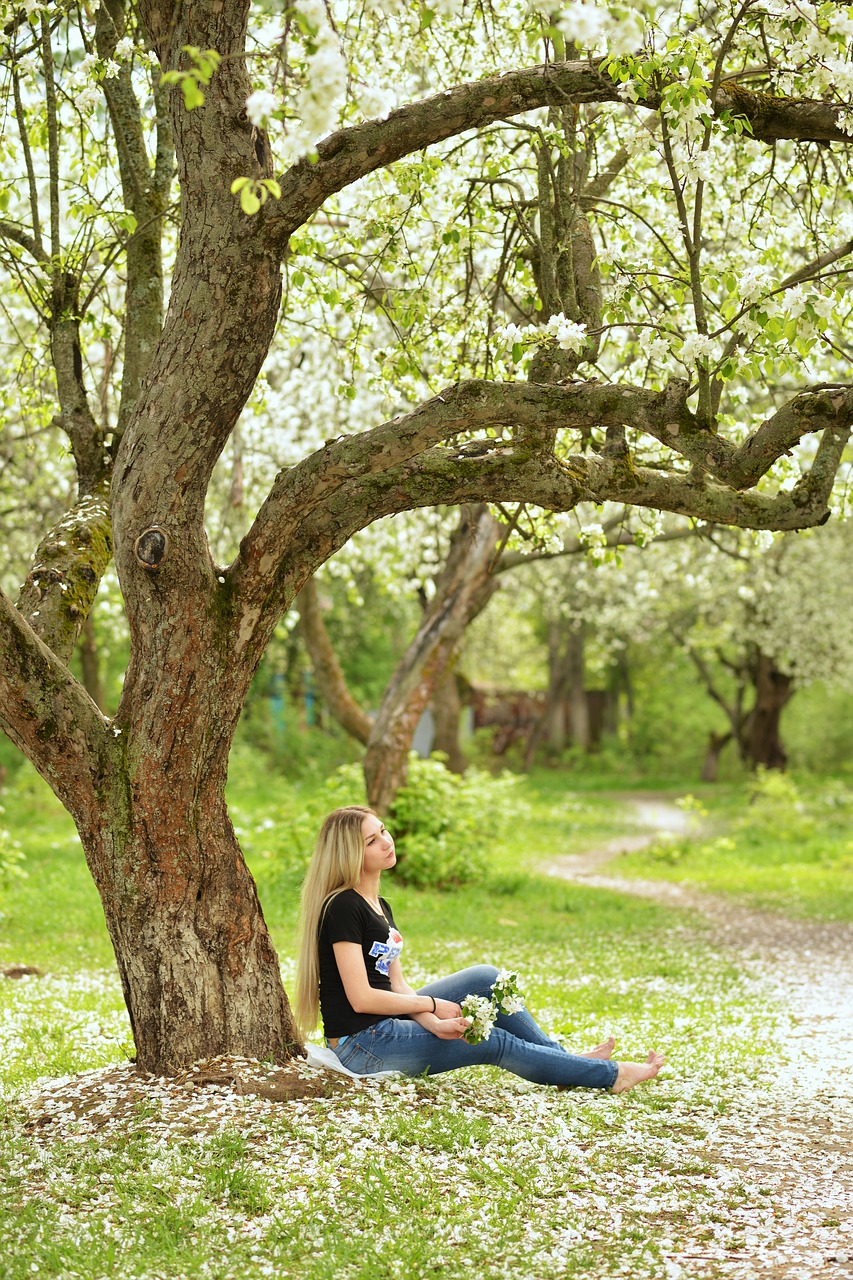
653, 345
701, 166
447, 8
823, 306
568, 335
593, 535
375, 103
753, 283
482, 1014
110, 69
260, 107
624, 35
582, 23
124, 48
87, 99
698, 346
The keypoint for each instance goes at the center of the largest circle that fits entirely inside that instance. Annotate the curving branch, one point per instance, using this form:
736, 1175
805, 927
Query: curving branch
330, 677
48, 714
349, 154
532, 409
67, 568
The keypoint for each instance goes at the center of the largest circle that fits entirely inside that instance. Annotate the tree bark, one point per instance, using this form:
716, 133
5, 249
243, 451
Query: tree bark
330, 677
90, 664
711, 763
578, 708
199, 973
447, 708
773, 691
462, 591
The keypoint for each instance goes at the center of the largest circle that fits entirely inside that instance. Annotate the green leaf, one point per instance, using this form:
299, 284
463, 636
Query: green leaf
249, 202
238, 184
272, 187
517, 351
193, 96
297, 279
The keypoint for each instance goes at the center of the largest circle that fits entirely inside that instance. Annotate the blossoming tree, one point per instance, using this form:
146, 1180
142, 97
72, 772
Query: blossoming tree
194, 149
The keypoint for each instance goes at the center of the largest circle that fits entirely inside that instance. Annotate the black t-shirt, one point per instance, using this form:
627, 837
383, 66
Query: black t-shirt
349, 918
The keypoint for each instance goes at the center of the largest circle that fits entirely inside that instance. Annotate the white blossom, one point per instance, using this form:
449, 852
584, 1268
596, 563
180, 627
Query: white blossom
375, 103
569, 336
698, 346
260, 107
753, 282
582, 23
124, 48
654, 345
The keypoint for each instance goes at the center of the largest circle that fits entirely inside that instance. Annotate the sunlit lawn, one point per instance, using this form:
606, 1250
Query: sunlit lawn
783, 844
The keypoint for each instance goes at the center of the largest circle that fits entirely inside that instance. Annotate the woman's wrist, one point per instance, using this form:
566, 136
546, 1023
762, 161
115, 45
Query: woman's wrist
432, 1007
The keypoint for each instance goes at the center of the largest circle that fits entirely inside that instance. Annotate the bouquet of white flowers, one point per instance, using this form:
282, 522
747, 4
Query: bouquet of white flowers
507, 997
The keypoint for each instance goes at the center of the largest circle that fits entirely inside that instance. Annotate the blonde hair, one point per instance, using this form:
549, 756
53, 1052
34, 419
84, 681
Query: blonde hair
336, 864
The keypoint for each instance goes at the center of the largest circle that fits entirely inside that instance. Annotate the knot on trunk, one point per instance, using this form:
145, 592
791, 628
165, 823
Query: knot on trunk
152, 548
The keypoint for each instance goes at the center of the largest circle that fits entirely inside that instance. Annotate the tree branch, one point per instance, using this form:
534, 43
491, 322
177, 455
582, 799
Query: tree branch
349, 154
47, 713
61, 586
532, 408
330, 677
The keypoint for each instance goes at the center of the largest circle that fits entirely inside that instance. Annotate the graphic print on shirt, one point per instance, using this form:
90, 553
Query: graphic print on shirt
387, 952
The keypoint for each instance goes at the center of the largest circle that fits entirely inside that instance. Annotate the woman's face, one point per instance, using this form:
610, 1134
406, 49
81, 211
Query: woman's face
379, 852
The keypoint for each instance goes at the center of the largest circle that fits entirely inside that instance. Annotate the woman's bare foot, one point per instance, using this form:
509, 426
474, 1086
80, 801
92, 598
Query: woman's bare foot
631, 1073
601, 1050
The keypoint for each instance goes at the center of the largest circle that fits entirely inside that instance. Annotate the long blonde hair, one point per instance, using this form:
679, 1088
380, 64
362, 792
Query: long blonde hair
336, 864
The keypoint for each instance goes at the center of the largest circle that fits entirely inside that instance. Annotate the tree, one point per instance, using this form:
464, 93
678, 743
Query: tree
199, 971
759, 623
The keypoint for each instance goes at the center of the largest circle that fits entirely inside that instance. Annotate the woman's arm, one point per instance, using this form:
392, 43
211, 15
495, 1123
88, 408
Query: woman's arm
392, 1004
444, 1009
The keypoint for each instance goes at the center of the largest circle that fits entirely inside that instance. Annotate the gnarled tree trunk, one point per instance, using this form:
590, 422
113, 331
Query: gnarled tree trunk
773, 691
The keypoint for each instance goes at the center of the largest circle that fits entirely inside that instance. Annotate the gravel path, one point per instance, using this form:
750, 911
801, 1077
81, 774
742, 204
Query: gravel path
793, 1137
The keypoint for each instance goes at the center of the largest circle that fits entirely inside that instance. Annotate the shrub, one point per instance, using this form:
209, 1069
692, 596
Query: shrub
443, 823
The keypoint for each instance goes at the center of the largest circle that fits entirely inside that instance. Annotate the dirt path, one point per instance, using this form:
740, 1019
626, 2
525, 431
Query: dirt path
794, 1136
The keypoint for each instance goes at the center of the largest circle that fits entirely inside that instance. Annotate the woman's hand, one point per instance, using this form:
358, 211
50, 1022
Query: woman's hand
446, 1009
447, 1028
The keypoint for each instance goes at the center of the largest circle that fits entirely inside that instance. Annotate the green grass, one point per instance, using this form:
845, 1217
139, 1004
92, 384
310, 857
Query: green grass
472, 1173
779, 843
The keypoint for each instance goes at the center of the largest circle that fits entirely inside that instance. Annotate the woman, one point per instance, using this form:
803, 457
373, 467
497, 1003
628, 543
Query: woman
349, 967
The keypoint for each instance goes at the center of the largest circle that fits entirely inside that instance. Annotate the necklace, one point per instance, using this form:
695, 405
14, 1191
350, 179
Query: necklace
374, 903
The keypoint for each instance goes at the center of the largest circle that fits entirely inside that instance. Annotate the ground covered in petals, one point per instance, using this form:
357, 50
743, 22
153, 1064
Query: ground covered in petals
735, 1162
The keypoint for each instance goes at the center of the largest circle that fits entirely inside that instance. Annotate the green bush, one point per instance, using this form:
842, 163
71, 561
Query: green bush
443, 823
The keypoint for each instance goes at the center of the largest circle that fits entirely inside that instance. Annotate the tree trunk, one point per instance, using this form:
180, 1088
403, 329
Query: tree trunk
447, 708
463, 588
578, 708
330, 677
565, 679
555, 709
711, 763
773, 690
89, 663
199, 972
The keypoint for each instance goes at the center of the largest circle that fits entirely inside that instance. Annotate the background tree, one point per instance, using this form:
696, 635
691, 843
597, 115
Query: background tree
146, 787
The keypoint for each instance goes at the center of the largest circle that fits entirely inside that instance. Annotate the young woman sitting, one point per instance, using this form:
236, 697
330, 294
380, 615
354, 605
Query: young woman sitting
349, 970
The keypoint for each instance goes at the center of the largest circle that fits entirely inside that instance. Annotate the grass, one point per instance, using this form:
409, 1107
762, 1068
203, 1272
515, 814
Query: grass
779, 843
471, 1172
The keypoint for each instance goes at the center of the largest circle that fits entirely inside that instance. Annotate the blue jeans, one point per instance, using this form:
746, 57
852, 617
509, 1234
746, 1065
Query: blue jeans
516, 1044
